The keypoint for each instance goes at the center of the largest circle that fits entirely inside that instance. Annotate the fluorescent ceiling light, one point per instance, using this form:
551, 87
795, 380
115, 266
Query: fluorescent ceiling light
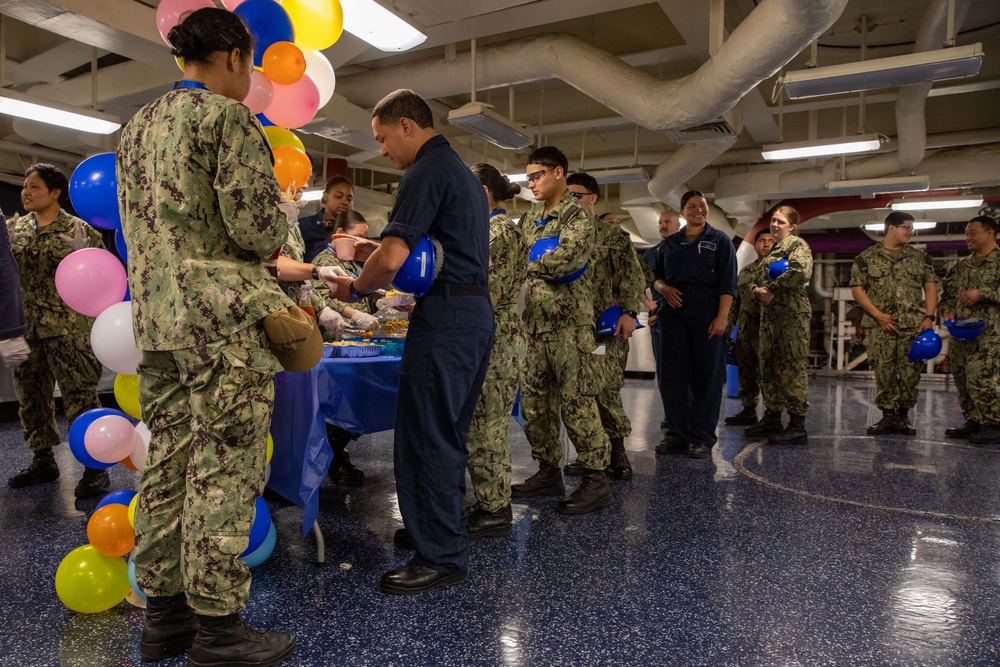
312, 195
953, 63
517, 178
929, 204
17, 104
383, 29
876, 186
861, 143
479, 119
631, 175
917, 226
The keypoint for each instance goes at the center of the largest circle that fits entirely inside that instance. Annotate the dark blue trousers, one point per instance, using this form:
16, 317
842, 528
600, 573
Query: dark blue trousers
694, 368
445, 357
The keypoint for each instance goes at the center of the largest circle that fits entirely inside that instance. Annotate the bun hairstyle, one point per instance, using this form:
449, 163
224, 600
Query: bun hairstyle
688, 195
206, 31
790, 213
348, 220
500, 188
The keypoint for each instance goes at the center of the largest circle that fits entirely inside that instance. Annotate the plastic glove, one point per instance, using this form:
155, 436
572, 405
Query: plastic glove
331, 320
14, 351
327, 273
79, 240
362, 320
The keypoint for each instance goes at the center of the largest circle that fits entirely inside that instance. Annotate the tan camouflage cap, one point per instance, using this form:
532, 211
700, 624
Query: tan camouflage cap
295, 338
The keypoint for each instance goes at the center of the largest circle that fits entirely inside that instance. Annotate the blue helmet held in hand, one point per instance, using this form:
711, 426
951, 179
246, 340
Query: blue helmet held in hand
925, 346
777, 268
544, 246
417, 273
608, 321
963, 329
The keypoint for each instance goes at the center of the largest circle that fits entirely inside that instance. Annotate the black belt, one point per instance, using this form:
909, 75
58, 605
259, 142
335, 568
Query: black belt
692, 287
451, 289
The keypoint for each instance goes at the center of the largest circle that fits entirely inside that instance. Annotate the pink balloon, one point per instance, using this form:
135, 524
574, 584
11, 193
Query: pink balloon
90, 280
169, 12
260, 94
110, 439
231, 4
294, 105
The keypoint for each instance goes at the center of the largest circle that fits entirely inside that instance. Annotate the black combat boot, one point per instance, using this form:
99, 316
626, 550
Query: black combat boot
620, 467
227, 640
593, 493
903, 425
795, 434
43, 469
745, 417
341, 469
886, 425
169, 629
989, 434
93, 483
547, 481
574, 469
963, 431
489, 524
769, 425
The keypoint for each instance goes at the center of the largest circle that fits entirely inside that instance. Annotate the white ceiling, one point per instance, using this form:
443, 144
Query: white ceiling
582, 102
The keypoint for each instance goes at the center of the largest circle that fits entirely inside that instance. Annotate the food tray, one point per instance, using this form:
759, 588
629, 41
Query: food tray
351, 351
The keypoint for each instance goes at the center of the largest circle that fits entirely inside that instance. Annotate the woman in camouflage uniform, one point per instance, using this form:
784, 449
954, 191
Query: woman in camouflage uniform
784, 333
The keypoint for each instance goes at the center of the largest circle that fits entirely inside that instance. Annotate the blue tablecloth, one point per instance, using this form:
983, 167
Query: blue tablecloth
358, 395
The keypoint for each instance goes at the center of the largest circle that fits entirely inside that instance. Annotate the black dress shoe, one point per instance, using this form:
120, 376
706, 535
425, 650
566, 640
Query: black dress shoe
699, 452
489, 524
416, 578
671, 444
401, 538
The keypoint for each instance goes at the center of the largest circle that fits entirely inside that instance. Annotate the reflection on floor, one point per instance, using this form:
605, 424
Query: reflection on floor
850, 551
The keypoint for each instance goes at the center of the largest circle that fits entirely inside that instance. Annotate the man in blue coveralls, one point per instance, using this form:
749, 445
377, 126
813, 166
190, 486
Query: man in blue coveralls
448, 343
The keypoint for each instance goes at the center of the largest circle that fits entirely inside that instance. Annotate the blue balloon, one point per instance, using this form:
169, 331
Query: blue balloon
93, 189
926, 345
264, 551
264, 120
119, 497
544, 246
78, 429
261, 521
777, 268
120, 246
267, 22
416, 275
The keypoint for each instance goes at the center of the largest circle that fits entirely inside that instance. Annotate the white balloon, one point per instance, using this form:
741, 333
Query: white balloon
141, 451
113, 339
267, 474
321, 71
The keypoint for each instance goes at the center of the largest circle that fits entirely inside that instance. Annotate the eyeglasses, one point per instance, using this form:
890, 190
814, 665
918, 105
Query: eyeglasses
580, 195
535, 175
907, 229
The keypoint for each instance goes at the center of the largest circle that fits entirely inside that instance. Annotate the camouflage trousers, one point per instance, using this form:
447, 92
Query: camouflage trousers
896, 377
748, 361
609, 399
209, 410
976, 368
489, 433
561, 379
784, 350
67, 360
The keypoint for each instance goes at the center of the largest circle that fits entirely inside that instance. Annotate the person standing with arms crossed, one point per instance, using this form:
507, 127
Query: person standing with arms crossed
199, 208
894, 283
448, 342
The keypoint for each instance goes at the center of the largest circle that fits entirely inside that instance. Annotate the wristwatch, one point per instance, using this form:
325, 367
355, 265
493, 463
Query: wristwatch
630, 313
315, 272
355, 294
932, 318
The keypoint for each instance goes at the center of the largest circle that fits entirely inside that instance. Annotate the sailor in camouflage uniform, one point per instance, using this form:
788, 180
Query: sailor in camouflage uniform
200, 213
784, 334
617, 279
562, 376
745, 316
894, 283
489, 434
58, 336
972, 291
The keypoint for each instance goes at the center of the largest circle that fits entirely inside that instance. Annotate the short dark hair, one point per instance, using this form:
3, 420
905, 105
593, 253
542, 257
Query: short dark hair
688, 195
586, 180
895, 219
987, 221
403, 103
348, 220
52, 176
337, 180
501, 189
206, 31
549, 156
762, 230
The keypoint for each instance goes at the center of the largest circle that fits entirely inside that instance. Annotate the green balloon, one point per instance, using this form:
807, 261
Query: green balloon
89, 582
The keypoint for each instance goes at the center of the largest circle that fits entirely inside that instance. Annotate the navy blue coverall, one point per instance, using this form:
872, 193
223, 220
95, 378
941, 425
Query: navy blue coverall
313, 233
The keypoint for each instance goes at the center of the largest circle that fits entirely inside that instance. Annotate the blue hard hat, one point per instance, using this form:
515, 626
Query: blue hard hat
416, 275
544, 246
926, 345
963, 329
608, 320
777, 268
736, 329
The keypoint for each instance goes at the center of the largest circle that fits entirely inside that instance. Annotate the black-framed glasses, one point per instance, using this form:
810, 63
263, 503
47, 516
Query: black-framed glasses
535, 175
580, 195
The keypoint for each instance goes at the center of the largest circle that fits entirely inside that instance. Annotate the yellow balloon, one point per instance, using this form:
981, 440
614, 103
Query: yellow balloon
127, 394
318, 24
89, 582
180, 62
270, 449
279, 136
131, 509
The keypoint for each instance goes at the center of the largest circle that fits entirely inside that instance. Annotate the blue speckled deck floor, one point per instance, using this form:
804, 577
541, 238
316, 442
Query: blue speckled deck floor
850, 551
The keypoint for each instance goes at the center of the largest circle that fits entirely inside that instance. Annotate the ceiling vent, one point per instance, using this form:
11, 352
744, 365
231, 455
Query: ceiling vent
715, 129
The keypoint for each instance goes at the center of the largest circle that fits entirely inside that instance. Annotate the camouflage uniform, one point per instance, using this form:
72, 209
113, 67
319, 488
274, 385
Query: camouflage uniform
975, 364
745, 314
199, 207
489, 434
784, 329
321, 293
294, 248
895, 286
618, 280
562, 376
59, 337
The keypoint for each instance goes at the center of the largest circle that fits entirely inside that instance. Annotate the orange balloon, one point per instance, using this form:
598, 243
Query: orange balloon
110, 532
127, 462
284, 63
292, 167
